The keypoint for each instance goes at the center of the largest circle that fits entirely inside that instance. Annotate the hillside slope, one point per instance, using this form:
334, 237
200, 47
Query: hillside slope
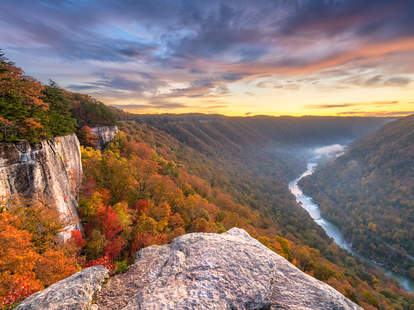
253, 158
369, 193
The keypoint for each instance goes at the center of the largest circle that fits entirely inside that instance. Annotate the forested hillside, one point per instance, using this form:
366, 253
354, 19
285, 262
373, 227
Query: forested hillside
163, 176
369, 193
255, 158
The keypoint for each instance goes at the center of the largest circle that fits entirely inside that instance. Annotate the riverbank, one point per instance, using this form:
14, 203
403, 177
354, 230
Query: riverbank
331, 229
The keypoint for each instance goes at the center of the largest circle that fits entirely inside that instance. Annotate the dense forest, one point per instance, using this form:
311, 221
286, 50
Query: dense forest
163, 176
369, 193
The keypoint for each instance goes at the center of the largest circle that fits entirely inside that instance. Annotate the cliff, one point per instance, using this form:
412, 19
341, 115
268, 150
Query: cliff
105, 135
50, 170
196, 271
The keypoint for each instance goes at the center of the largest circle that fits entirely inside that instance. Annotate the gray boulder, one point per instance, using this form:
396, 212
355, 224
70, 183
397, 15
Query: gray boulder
216, 271
74, 292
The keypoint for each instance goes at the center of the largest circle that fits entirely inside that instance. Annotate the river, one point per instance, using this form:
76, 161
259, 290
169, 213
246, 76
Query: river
331, 229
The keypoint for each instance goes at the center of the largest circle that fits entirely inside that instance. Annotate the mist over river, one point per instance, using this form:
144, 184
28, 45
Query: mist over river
306, 202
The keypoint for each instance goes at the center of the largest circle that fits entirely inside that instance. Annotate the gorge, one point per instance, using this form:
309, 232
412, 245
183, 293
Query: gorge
333, 231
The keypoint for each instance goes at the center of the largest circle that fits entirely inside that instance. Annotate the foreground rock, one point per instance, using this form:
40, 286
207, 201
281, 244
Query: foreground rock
196, 271
212, 271
50, 170
74, 292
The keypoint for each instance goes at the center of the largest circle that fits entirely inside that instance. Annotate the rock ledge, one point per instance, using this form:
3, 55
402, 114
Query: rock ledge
196, 271
217, 271
74, 292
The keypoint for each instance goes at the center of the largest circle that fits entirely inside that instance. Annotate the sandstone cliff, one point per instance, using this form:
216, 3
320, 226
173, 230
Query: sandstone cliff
198, 271
50, 169
105, 135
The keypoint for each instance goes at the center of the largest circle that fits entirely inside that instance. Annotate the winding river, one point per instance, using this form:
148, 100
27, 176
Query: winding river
331, 229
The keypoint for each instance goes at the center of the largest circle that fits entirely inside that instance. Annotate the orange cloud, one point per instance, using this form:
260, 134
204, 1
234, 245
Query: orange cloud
368, 52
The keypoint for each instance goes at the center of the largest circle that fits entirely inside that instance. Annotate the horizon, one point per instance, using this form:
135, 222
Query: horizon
265, 115
272, 58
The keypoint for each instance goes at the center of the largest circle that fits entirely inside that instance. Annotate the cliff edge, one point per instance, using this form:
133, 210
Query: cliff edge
207, 271
105, 135
51, 170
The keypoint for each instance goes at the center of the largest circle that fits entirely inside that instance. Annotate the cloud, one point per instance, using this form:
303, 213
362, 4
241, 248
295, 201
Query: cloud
169, 105
352, 104
376, 113
121, 86
366, 19
160, 50
397, 81
290, 85
329, 106
130, 106
378, 81
374, 80
151, 105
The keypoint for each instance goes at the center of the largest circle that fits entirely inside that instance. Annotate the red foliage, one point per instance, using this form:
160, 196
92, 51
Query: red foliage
22, 288
87, 137
110, 222
77, 238
142, 206
114, 247
88, 227
145, 239
103, 261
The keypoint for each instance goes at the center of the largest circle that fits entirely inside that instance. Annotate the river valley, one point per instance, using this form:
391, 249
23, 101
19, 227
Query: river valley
331, 229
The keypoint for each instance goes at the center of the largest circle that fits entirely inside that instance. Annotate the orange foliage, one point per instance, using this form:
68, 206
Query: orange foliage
142, 206
23, 268
54, 265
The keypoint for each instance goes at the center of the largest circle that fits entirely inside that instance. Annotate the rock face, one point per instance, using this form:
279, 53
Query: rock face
74, 292
196, 271
216, 271
105, 135
51, 170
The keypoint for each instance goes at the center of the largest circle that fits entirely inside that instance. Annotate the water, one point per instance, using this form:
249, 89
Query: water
329, 152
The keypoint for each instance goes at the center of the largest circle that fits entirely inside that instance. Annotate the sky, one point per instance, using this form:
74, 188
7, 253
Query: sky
234, 57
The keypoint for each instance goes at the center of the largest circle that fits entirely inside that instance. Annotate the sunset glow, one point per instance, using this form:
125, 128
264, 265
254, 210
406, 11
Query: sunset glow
342, 57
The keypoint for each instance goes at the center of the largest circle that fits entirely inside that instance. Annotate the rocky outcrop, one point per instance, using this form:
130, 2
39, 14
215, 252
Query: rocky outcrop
105, 135
50, 170
216, 271
196, 271
74, 292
